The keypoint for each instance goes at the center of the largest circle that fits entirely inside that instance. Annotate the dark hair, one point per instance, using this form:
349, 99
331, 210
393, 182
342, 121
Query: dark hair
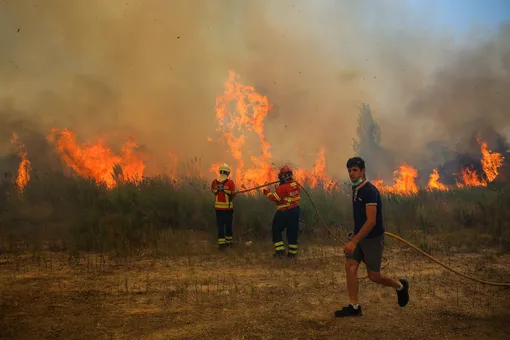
356, 161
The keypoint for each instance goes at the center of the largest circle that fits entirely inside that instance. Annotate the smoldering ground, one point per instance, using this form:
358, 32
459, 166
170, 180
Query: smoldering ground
152, 70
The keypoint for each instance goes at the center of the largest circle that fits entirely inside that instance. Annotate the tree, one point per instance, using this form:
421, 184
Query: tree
369, 134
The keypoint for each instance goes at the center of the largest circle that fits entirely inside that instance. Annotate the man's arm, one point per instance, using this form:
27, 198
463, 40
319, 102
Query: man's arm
232, 192
371, 209
275, 196
214, 187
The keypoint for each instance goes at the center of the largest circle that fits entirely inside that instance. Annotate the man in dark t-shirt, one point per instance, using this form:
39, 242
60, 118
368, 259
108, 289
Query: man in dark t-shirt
367, 242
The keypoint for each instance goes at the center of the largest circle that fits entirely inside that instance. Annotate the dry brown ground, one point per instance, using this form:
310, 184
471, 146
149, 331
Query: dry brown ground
245, 295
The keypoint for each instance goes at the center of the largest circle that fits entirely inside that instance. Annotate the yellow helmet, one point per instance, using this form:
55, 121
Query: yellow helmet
224, 167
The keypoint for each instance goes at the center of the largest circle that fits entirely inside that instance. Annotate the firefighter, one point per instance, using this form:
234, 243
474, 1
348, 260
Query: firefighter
287, 214
224, 190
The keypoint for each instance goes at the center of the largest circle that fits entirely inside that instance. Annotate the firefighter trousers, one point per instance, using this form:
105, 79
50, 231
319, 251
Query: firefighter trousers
287, 220
224, 220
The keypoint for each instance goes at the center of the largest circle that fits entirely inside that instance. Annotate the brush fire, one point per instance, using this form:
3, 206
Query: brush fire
240, 110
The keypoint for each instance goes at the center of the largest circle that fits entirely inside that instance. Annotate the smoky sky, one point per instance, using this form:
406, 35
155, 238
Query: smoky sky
151, 70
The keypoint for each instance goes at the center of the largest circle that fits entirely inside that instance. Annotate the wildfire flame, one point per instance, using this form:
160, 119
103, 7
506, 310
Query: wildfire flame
404, 178
24, 167
470, 178
404, 181
240, 108
434, 183
317, 174
98, 161
491, 162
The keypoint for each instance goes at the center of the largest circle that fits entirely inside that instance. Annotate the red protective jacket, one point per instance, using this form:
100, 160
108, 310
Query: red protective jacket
287, 195
223, 198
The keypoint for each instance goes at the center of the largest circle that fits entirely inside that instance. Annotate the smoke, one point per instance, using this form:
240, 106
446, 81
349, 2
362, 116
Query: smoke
152, 70
469, 95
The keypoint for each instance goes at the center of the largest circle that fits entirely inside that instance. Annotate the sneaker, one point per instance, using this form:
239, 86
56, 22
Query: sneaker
348, 311
403, 295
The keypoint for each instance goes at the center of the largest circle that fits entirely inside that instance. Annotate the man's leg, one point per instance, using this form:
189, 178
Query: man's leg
220, 224
373, 250
293, 231
229, 216
351, 272
277, 229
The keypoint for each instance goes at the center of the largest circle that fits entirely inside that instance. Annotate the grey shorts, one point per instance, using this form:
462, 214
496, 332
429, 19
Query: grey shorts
369, 250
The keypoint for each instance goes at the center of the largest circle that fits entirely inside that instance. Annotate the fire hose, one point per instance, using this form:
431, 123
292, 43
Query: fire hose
500, 284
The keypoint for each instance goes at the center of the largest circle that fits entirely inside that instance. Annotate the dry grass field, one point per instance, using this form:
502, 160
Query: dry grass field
80, 261
244, 294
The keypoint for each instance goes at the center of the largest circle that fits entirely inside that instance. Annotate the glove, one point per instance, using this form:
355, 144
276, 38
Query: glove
220, 187
265, 191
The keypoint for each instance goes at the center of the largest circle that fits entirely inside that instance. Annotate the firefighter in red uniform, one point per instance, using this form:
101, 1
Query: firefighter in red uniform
287, 214
224, 190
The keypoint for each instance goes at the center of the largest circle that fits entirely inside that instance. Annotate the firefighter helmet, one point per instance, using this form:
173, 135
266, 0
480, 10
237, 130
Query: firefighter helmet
285, 170
224, 168
285, 174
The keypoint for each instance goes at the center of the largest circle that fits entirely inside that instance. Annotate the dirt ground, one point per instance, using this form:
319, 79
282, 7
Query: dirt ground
243, 294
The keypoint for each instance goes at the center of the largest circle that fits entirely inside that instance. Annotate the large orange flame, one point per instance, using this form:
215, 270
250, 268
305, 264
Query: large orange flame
24, 167
317, 175
470, 178
98, 161
434, 183
404, 181
491, 161
241, 109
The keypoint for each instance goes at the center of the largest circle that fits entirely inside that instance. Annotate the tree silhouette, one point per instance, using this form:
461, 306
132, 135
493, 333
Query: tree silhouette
367, 145
368, 132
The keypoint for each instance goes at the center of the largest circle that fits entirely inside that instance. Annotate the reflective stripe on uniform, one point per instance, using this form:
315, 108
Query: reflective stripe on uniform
223, 204
289, 202
274, 194
293, 248
221, 241
279, 246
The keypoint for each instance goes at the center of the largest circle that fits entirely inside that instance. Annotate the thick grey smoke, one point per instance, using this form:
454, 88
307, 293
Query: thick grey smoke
152, 70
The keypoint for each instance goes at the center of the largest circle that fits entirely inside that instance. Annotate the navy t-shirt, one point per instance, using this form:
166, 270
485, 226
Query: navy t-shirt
367, 194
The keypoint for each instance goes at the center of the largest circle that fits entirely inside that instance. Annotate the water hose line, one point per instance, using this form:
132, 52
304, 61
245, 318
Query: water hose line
500, 284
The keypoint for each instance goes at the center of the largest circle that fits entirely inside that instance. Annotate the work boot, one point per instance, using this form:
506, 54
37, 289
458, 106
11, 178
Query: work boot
291, 255
403, 295
348, 311
278, 254
222, 246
